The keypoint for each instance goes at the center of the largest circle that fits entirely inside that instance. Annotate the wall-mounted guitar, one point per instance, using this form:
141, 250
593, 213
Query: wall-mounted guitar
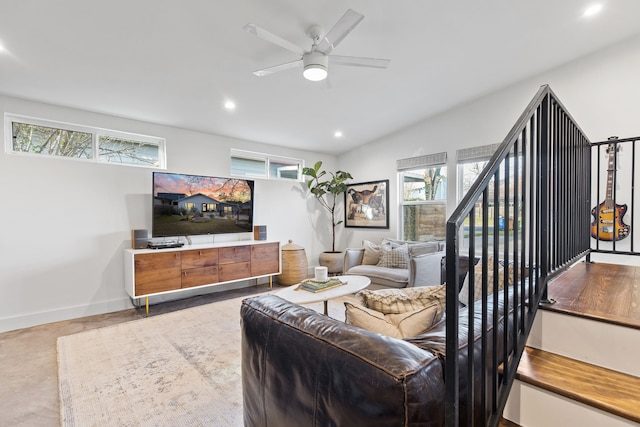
607, 222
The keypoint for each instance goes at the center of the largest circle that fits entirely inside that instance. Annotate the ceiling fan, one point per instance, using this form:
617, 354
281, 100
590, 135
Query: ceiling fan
315, 61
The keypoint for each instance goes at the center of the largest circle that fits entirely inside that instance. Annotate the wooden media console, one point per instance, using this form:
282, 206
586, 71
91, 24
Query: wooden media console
160, 271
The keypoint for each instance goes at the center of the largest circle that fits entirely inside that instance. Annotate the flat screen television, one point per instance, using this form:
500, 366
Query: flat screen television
191, 205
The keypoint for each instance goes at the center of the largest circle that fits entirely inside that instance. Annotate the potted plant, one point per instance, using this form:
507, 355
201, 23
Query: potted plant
326, 187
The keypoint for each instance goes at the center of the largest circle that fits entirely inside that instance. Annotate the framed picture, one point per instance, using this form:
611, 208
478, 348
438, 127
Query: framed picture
366, 205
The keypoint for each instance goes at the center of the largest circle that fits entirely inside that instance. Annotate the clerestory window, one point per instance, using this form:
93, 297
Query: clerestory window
249, 164
30, 136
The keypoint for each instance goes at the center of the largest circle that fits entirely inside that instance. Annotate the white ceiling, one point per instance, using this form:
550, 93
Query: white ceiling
176, 62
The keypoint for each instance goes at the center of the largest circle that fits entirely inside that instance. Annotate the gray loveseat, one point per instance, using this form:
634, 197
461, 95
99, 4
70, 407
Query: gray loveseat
397, 263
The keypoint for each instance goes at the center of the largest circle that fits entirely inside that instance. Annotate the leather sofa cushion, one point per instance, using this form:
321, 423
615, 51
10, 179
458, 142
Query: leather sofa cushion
434, 340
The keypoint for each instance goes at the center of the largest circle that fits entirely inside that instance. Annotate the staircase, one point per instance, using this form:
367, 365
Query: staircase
581, 366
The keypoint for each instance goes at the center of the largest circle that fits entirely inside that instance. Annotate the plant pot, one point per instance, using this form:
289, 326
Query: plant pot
334, 261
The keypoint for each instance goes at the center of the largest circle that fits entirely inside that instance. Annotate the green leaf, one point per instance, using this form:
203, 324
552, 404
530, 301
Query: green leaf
309, 172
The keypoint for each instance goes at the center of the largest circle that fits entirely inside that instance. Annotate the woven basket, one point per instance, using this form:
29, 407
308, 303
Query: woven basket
294, 264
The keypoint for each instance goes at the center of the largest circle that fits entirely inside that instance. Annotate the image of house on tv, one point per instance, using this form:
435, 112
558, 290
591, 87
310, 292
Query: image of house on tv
201, 206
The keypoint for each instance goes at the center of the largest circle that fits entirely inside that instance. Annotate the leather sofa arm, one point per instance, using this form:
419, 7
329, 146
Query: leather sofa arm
425, 269
352, 257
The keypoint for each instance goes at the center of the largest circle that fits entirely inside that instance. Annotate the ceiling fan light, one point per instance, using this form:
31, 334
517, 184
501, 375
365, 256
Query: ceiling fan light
315, 72
315, 66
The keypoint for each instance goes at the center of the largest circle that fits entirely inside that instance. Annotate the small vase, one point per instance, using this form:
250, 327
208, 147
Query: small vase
334, 261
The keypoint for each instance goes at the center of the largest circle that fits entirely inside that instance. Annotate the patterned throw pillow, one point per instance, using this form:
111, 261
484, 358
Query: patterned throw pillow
511, 271
463, 296
397, 301
394, 256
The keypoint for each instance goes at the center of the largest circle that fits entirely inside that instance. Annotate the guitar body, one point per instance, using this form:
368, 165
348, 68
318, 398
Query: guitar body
607, 222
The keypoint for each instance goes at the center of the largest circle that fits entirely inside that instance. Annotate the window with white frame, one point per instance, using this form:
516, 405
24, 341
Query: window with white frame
471, 161
31, 136
424, 197
258, 165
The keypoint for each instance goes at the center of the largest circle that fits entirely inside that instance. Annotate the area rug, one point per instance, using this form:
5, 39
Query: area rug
175, 369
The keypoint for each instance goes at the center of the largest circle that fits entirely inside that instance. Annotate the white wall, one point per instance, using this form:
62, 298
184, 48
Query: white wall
601, 91
66, 223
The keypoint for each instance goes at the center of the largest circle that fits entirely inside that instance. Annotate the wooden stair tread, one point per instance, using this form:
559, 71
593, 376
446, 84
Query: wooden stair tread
602, 388
598, 291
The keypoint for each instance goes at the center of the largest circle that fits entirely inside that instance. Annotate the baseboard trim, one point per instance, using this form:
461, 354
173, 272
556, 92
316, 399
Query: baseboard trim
66, 313
57, 315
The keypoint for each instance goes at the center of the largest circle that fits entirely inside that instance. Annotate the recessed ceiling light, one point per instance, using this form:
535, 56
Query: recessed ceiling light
338, 134
230, 105
592, 10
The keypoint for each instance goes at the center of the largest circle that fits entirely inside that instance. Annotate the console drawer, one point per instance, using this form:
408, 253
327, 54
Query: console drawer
233, 254
199, 258
199, 276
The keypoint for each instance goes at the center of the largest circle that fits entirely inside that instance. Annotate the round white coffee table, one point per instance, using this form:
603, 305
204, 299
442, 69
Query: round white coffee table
300, 296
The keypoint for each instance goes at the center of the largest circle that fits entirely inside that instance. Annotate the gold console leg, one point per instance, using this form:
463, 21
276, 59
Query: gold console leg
270, 282
147, 306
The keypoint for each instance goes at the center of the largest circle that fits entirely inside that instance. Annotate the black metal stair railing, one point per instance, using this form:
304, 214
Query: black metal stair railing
525, 220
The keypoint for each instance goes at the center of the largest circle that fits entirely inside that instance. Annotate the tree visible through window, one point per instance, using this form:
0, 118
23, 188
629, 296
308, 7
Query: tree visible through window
49, 138
424, 206
112, 149
50, 141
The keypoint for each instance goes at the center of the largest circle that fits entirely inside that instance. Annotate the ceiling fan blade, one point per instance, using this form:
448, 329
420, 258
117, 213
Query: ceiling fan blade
277, 68
357, 61
270, 37
348, 22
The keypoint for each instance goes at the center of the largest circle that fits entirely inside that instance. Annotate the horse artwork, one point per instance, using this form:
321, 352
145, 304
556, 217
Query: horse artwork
366, 204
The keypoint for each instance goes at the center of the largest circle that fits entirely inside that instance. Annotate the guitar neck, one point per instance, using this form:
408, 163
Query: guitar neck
611, 173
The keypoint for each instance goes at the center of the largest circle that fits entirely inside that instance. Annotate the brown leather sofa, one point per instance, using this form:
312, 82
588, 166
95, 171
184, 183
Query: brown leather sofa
301, 368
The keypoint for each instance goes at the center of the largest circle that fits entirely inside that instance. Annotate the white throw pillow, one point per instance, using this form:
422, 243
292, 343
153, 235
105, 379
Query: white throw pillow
404, 325
371, 320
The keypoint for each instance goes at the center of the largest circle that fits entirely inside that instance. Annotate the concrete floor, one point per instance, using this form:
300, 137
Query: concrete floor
29, 367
